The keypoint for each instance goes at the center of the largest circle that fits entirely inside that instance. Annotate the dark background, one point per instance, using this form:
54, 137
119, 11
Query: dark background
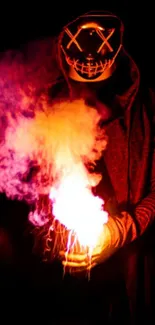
20, 23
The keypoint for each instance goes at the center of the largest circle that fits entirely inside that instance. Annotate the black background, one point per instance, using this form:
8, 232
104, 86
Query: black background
20, 23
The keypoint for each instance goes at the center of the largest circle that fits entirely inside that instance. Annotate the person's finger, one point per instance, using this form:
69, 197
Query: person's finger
74, 264
77, 258
77, 270
86, 269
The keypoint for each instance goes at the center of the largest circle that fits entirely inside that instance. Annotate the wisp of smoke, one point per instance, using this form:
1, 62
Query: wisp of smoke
38, 150
25, 76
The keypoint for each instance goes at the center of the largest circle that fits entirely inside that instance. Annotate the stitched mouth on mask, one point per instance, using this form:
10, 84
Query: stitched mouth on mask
90, 69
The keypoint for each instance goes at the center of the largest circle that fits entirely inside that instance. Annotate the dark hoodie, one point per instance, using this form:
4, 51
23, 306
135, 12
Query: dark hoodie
128, 165
127, 109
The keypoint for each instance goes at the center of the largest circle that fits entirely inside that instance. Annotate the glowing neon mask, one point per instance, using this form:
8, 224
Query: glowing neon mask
91, 43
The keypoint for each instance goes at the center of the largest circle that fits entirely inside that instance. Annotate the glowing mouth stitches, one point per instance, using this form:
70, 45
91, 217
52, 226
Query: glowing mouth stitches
89, 68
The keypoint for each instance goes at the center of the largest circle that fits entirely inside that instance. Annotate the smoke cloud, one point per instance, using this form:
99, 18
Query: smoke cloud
41, 142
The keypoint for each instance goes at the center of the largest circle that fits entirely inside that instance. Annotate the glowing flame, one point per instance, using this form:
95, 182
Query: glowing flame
79, 210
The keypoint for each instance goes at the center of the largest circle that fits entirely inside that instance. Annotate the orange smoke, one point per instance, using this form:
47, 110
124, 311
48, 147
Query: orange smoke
65, 133
60, 141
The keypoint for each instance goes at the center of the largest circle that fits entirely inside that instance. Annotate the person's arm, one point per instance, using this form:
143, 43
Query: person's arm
129, 226
145, 210
119, 231
122, 229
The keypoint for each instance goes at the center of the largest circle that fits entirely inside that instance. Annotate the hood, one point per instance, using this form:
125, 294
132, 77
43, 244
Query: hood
128, 80
124, 82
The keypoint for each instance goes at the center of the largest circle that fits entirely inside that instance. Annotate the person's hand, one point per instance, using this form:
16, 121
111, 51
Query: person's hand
115, 234
78, 262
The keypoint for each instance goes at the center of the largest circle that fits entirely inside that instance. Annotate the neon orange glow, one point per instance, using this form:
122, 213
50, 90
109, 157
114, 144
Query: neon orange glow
92, 25
75, 207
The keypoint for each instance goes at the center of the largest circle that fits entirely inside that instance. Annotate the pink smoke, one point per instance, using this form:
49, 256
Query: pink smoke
25, 77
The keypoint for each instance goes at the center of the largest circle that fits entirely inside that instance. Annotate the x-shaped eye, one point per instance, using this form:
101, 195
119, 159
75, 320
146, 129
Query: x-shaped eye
98, 31
105, 39
73, 39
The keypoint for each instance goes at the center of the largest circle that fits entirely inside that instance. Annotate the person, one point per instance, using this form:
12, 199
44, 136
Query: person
95, 66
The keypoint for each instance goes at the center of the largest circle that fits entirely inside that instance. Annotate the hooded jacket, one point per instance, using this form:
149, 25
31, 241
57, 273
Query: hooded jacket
129, 157
128, 164
128, 117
